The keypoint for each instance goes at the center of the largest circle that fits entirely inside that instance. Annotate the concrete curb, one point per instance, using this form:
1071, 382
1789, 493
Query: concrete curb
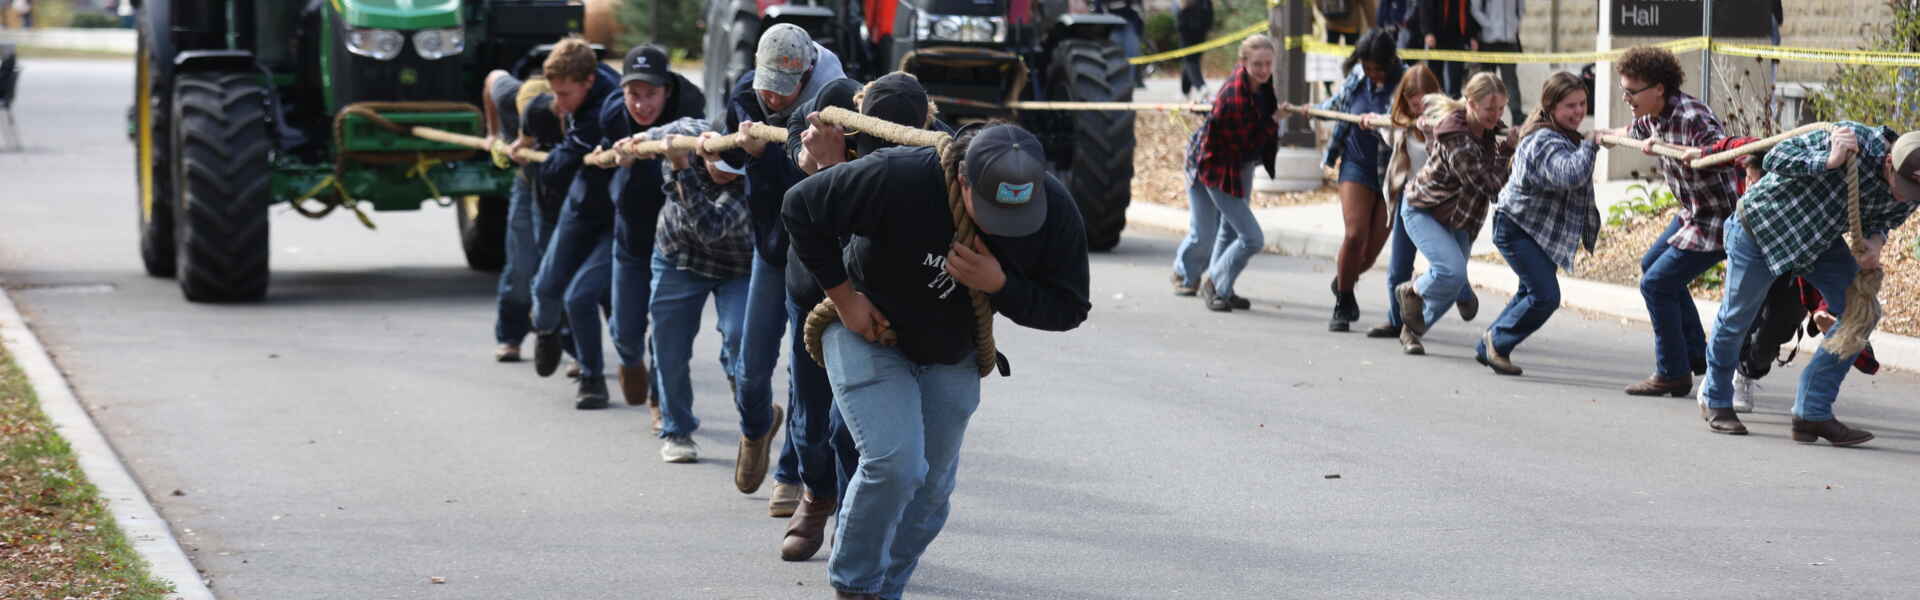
122, 41
1297, 237
136, 516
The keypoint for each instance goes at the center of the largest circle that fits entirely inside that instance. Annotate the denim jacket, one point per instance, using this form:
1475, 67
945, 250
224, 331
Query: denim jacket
1355, 83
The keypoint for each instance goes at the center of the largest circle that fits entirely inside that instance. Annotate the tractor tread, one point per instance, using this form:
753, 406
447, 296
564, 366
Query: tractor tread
224, 186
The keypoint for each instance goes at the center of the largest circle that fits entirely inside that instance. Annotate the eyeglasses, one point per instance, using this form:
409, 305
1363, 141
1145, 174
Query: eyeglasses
1630, 93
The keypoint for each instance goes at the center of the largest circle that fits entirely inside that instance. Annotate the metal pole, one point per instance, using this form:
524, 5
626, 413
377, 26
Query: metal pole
1553, 31
1706, 54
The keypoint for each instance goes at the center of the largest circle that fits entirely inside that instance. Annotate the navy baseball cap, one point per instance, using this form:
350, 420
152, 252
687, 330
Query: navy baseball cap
648, 64
1007, 168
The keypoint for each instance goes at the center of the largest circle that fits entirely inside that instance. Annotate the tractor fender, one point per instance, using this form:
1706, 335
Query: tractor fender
1091, 26
214, 60
156, 26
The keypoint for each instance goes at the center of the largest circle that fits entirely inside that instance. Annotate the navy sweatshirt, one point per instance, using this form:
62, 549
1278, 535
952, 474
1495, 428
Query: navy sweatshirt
896, 201
637, 197
562, 170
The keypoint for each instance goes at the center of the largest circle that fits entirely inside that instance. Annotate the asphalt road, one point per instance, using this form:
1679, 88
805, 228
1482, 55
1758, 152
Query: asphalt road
350, 438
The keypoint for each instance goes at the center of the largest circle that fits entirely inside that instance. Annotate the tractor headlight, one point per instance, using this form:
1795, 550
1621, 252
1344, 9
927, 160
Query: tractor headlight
377, 44
959, 28
435, 44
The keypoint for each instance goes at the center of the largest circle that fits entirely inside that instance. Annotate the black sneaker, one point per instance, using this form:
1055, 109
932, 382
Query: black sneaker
1239, 303
546, 354
593, 393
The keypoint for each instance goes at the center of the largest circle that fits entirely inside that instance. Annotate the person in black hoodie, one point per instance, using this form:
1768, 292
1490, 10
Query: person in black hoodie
1194, 19
650, 95
574, 275
1449, 25
907, 404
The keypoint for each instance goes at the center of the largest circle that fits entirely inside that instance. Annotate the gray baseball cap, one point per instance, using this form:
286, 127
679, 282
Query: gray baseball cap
786, 53
1007, 169
1906, 160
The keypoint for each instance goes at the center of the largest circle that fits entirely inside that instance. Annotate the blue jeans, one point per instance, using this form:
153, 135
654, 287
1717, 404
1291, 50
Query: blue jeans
1400, 255
1538, 295
819, 452
575, 281
515, 306
678, 298
1446, 250
1236, 239
757, 348
1665, 272
1748, 280
908, 421
1203, 222
632, 289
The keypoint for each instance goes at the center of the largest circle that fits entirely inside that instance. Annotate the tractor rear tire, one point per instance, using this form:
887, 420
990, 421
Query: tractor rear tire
730, 49
1100, 174
223, 180
483, 231
152, 171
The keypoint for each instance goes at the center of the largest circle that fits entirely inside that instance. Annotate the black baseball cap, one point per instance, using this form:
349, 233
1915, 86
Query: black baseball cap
895, 98
1006, 166
646, 63
538, 120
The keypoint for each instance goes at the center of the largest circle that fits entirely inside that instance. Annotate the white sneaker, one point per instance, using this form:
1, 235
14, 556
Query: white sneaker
1743, 390
679, 449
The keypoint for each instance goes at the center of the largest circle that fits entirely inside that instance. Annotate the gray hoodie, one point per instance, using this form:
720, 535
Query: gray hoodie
1499, 19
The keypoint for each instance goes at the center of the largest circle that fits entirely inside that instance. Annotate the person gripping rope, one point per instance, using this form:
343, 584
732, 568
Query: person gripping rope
1447, 202
907, 404
1242, 131
574, 280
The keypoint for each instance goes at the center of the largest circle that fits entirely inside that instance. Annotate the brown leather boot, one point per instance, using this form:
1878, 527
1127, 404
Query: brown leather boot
807, 530
750, 464
1661, 386
839, 595
635, 385
1722, 420
1837, 433
1413, 309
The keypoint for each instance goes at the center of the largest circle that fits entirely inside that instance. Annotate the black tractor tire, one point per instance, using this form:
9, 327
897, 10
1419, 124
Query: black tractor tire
152, 171
483, 231
1100, 170
223, 181
731, 44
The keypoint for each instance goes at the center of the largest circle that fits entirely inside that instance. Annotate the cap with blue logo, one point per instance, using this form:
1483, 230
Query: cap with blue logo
648, 64
1007, 168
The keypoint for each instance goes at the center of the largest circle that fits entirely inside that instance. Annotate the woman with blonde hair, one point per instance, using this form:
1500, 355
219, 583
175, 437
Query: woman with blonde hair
1243, 130
1408, 153
1546, 215
1447, 202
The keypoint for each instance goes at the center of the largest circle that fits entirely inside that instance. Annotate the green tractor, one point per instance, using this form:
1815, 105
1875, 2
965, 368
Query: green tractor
239, 105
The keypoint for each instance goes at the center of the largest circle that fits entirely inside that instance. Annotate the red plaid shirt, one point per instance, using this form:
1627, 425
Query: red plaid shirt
1239, 132
1706, 197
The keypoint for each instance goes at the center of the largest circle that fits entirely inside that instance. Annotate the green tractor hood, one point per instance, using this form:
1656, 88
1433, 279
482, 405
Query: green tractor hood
399, 14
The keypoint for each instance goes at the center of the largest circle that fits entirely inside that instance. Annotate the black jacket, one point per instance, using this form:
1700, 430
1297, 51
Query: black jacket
769, 175
637, 196
896, 201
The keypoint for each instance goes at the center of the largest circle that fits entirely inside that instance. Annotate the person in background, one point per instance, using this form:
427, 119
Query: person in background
1407, 156
1546, 215
1242, 131
1500, 32
1373, 68
1795, 221
1447, 202
1449, 25
125, 10
1194, 19
1650, 80
514, 318
1403, 15
1346, 19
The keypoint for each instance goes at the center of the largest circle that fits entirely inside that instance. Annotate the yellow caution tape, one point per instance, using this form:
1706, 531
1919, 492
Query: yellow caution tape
1820, 55
1315, 46
1200, 47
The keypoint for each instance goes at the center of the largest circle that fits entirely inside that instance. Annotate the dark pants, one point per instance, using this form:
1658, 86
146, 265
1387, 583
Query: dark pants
819, 451
1779, 319
1191, 76
1538, 295
1453, 75
575, 280
1679, 343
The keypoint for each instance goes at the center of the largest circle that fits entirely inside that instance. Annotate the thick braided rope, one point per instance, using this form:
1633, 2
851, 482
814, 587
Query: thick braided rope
1863, 311
986, 356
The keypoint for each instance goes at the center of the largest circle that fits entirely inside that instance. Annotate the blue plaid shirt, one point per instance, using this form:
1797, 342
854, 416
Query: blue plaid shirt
1550, 194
